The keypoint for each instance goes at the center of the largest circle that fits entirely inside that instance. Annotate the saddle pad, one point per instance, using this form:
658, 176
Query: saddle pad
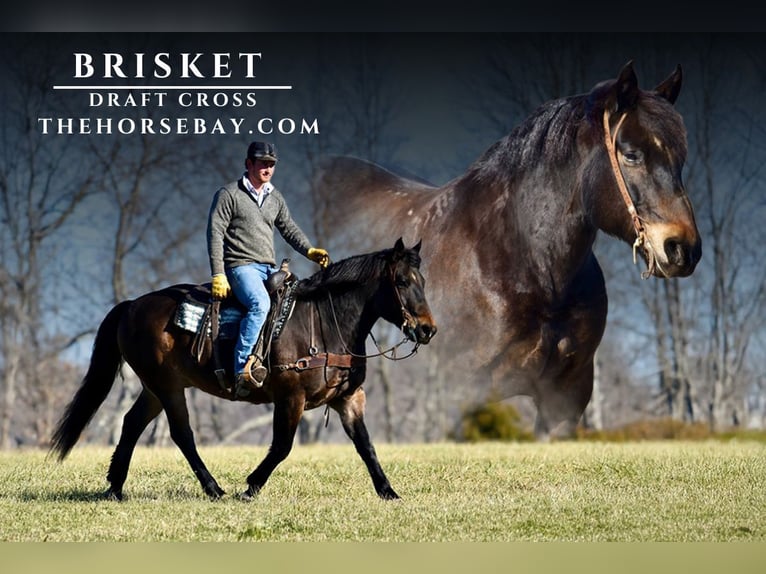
191, 313
189, 316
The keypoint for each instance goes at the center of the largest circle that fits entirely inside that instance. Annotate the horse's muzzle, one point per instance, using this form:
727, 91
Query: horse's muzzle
419, 331
676, 250
425, 332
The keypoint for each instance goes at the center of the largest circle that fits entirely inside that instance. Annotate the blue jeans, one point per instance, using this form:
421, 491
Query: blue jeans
247, 285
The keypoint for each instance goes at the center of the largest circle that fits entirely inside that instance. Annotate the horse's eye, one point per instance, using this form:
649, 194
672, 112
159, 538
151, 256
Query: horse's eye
633, 157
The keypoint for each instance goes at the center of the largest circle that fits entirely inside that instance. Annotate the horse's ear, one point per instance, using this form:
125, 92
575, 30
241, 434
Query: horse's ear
671, 87
399, 245
625, 89
416, 247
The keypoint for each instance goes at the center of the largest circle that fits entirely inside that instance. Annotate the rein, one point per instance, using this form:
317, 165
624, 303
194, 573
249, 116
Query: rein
380, 352
610, 140
406, 316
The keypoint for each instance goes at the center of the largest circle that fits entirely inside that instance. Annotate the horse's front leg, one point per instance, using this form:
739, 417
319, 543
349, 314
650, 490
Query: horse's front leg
287, 415
351, 411
561, 403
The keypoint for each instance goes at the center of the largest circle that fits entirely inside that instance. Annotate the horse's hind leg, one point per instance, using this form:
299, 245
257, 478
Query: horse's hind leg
287, 415
144, 410
174, 403
351, 411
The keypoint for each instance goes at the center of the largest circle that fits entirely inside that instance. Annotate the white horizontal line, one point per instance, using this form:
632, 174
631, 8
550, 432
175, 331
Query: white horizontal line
172, 87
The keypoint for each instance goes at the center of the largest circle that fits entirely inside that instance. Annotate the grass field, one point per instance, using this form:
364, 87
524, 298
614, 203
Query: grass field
567, 491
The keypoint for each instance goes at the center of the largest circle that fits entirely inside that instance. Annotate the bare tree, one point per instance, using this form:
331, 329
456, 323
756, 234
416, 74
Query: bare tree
522, 72
728, 171
671, 325
40, 189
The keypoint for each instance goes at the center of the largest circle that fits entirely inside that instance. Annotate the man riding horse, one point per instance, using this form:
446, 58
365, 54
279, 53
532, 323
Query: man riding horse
240, 241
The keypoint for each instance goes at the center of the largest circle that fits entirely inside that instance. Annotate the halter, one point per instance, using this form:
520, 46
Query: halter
610, 140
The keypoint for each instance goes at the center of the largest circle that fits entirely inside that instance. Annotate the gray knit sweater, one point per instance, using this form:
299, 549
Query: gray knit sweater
241, 232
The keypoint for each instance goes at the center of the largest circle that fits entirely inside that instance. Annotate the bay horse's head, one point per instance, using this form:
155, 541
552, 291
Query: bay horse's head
640, 195
406, 303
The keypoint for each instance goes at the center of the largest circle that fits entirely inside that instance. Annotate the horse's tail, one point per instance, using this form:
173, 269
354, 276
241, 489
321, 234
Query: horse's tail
105, 361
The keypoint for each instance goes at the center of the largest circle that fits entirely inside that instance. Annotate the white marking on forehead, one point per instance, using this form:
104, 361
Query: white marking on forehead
658, 143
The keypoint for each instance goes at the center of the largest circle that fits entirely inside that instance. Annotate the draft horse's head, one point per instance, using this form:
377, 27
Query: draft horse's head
403, 298
642, 150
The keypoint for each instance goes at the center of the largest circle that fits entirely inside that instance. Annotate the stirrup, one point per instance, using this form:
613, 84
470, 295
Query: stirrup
255, 373
244, 384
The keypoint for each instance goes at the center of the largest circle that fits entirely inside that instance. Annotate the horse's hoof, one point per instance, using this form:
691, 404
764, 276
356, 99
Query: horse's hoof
388, 494
216, 494
114, 495
249, 494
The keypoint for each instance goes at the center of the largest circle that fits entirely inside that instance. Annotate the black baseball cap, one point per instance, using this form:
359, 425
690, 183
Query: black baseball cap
262, 150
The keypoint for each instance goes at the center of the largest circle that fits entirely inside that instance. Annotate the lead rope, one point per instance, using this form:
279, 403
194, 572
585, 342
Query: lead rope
610, 140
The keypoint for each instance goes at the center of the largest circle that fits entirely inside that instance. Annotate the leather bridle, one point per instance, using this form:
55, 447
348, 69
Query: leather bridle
610, 139
349, 359
407, 318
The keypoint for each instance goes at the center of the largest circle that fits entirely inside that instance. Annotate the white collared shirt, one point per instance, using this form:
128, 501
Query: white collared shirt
258, 196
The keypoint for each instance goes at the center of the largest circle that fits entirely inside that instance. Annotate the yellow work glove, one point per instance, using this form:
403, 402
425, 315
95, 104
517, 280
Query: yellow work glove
320, 256
221, 288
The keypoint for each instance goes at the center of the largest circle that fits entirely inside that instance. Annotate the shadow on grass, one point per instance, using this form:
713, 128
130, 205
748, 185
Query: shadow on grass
166, 494
73, 495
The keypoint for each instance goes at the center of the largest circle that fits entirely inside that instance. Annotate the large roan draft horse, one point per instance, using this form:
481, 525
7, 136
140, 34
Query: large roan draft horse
318, 359
520, 297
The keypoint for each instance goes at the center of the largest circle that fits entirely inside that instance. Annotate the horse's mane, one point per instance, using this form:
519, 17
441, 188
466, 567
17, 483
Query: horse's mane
348, 273
547, 136
548, 133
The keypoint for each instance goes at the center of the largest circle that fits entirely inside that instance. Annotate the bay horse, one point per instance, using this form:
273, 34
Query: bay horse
318, 359
520, 296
